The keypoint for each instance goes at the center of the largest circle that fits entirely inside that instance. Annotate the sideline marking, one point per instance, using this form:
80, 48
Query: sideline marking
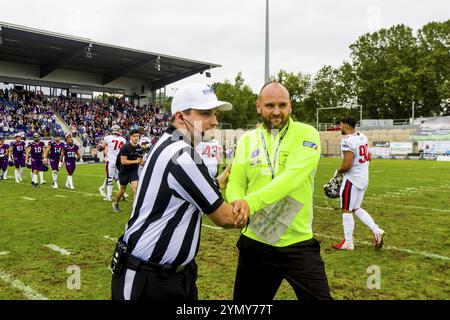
26, 290
3, 253
211, 227
423, 253
26, 198
53, 247
110, 238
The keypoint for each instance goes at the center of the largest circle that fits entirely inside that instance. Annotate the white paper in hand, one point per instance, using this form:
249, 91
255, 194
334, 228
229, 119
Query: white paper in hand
271, 222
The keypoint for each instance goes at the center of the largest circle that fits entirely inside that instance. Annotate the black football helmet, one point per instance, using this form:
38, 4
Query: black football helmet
333, 187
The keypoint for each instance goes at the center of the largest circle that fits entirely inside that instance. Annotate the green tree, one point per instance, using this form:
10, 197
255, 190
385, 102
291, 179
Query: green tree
434, 68
331, 88
243, 100
385, 65
299, 86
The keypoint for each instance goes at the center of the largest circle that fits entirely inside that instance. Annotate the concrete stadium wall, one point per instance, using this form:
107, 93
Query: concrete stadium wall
330, 140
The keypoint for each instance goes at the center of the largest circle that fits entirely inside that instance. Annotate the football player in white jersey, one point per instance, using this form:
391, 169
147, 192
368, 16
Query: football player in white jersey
111, 146
355, 171
211, 152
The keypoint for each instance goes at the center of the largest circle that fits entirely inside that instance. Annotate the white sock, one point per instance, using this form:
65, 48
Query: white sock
109, 190
20, 172
32, 174
67, 181
365, 217
34, 177
70, 182
103, 185
118, 184
41, 175
5, 174
349, 225
16, 174
54, 175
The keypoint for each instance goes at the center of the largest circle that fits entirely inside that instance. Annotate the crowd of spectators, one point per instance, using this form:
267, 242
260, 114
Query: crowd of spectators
30, 112
27, 112
92, 120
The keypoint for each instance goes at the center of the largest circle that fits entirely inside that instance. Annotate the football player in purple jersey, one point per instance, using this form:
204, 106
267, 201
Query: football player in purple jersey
17, 150
4, 156
70, 153
35, 151
53, 153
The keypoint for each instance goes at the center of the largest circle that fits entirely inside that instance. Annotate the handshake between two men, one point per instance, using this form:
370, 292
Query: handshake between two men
233, 215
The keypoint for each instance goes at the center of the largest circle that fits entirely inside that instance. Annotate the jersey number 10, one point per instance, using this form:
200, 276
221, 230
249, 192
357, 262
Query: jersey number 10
363, 153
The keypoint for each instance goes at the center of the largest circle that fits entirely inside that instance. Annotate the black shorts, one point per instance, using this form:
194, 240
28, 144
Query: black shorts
262, 267
127, 177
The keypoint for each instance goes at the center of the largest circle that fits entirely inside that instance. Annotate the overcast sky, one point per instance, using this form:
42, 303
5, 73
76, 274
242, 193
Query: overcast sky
304, 35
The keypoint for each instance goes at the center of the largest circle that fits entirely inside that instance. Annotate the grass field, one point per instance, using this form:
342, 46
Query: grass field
410, 200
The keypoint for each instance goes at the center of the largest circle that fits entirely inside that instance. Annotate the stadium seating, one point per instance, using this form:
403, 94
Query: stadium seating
29, 112
22, 111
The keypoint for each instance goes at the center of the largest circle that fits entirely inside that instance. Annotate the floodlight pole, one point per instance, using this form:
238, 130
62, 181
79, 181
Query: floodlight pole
266, 71
360, 115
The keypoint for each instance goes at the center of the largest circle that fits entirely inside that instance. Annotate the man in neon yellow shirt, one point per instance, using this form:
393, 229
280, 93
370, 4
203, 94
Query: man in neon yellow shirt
275, 164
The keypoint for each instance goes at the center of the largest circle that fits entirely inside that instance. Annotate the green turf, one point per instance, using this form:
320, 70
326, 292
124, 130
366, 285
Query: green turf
408, 199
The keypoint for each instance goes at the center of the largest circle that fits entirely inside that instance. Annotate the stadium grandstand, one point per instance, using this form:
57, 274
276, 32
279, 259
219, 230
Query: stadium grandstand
48, 83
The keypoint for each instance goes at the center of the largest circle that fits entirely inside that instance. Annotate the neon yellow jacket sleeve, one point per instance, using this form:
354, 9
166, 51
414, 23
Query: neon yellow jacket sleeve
301, 162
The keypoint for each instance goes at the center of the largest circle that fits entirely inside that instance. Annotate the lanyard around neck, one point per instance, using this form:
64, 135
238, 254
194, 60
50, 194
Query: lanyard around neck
269, 162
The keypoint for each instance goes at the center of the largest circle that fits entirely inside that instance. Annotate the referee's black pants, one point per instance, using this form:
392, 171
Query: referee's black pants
153, 285
261, 269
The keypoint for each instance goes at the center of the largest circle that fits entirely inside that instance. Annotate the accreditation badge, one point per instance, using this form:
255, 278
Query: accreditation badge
271, 222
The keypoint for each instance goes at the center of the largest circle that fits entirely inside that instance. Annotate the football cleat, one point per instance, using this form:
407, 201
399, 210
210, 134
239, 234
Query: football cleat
379, 239
43, 182
115, 207
107, 199
102, 192
54, 185
343, 245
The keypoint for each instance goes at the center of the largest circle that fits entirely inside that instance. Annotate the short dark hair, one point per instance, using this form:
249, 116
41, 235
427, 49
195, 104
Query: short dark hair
350, 121
134, 131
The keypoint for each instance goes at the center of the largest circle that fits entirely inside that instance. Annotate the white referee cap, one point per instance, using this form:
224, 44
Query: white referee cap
199, 97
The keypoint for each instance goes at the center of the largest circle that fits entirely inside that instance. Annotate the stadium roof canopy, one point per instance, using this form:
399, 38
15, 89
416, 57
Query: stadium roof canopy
50, 52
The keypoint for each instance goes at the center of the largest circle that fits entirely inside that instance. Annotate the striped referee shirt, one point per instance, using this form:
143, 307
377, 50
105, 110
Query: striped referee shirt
174, 189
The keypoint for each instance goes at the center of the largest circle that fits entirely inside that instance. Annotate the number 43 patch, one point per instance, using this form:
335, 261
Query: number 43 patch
310, 144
